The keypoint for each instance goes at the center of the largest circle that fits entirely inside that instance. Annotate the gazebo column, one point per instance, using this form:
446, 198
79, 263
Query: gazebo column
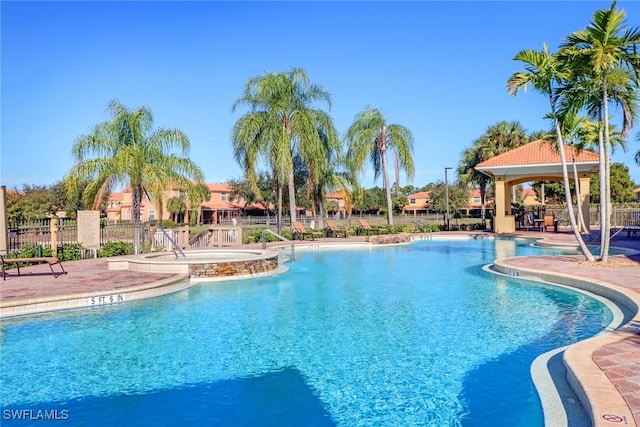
504, 222
585, 200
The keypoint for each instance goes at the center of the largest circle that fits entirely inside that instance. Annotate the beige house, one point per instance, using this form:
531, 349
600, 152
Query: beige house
419, 203
218, 208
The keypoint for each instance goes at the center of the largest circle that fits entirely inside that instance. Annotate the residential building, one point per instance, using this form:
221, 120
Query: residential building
218, 208
419, 203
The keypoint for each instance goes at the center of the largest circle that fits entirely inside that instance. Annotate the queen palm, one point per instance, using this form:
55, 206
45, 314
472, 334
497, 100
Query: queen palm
369, 137
126, 151
281, 125
544, 73
602, 54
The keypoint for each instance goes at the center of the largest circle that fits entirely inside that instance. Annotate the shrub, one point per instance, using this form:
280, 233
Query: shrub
110, 249
69, 251
166, 223
256, 236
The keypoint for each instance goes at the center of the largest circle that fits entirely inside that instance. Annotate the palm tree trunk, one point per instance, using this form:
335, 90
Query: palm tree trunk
279, 212
137, 195
292, 198
578, 207
385, 179
605, 182
320, 212
396, 161
567, 189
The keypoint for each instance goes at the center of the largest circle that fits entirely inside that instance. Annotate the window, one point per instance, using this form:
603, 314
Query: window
152, 215
223, 197
127, 214
476, 200
412, 201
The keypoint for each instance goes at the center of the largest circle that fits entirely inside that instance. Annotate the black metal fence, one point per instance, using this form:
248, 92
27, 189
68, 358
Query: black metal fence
38, 233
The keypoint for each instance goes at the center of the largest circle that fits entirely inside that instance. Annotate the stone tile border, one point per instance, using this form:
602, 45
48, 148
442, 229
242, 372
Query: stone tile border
94, 299
597, 393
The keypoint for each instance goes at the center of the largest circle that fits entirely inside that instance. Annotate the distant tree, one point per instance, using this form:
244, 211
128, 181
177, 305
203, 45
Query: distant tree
372, 200
31, 202
176, 207
408, 189
399, 202
196, 195
621, 185
497, 139
553, 192
265, 197
458, 197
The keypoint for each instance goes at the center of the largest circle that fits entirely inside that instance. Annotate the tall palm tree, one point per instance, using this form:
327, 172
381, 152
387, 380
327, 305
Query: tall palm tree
126, 151
605, 54
369, 137
280, 125
544, 73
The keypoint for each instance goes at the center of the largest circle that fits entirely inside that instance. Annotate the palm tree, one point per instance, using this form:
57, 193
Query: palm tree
281, 125
369, 137
328, 174
197, 194
127, 151
544, 73
177, 207
605, 56
497, 139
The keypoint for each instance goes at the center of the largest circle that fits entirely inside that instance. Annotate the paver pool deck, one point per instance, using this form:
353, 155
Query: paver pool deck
615, 355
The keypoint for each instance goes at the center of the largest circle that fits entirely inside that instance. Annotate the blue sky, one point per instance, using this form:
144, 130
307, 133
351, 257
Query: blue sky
438, 68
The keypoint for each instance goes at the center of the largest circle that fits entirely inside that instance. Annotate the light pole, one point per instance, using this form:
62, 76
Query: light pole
446, 192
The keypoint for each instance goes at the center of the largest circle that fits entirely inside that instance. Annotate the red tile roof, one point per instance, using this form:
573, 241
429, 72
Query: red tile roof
420, 195
537, 153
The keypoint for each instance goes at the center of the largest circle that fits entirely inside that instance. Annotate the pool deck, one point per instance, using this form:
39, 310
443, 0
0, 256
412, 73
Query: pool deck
609, 364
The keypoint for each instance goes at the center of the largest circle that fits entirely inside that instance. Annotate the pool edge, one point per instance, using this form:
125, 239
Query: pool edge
601, 399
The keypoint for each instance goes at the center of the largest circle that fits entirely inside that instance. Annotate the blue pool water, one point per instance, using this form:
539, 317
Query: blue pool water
391, 336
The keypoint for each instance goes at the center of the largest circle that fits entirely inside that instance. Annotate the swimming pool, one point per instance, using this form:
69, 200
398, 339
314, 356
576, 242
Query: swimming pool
417, 334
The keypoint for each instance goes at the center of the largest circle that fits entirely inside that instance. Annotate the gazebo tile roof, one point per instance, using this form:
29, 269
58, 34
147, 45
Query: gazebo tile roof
538, 152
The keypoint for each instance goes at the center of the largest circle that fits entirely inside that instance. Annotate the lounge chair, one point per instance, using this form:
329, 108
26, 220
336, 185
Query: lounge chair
549, 221
332, 227
364, 226
300, 231
37, 260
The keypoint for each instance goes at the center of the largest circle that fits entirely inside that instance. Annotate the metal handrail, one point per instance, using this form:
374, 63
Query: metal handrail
284, 239
173, 242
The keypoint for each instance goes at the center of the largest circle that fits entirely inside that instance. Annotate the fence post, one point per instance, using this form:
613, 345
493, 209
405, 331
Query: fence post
4, 238
53, 228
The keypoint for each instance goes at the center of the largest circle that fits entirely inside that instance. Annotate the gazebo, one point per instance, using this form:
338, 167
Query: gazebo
536, 161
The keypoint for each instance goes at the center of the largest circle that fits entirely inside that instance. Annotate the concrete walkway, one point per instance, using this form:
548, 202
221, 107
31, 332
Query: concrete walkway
617, 357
